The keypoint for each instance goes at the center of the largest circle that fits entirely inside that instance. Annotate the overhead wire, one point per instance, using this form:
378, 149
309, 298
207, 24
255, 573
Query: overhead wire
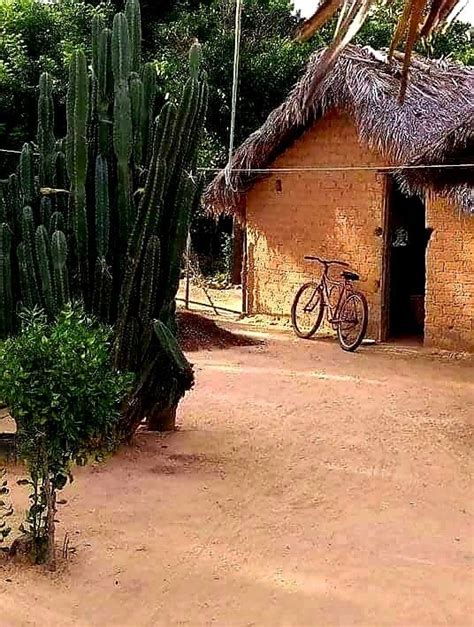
344, 168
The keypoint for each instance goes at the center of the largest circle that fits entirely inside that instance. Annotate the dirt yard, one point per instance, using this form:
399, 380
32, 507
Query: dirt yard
305, 487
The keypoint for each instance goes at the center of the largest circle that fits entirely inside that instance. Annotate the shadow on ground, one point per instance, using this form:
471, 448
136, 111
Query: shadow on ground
197, 332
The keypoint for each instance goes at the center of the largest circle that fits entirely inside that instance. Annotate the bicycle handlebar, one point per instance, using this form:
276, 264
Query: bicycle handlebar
327, 262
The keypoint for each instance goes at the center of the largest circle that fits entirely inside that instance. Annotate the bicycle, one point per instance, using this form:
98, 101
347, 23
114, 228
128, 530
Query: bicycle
348, 314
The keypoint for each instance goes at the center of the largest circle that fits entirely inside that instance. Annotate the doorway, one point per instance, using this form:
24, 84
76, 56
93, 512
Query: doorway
405, 255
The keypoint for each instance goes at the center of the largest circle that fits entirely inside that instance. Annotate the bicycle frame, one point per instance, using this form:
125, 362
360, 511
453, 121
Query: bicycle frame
327, 285
347, 311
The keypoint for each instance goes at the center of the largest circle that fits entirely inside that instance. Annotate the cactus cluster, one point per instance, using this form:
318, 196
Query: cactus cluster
103, 214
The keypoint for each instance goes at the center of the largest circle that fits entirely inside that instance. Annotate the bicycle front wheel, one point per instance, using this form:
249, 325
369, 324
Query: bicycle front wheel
307, 310
352, 323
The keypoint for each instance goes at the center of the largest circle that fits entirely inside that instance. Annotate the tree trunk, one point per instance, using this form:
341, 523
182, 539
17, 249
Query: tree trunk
164, 420
50, 524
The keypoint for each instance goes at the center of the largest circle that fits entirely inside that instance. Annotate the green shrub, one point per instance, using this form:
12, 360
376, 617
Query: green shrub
59, 385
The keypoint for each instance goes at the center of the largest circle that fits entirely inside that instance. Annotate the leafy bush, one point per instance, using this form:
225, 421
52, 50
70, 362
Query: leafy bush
65, 398
36, 37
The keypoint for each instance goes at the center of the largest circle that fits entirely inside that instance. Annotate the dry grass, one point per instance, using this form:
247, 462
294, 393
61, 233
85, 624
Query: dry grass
432, 126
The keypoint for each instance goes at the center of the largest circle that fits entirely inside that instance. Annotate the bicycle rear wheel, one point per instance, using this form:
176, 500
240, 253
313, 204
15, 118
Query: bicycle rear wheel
353, 320
307, 310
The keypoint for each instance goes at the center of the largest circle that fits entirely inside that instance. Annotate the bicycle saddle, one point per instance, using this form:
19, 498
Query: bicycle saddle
350, 276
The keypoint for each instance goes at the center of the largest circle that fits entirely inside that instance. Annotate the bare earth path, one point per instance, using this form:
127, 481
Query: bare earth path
306, 487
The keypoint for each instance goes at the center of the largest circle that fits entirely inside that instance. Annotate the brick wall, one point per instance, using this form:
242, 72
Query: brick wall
449, 306
330, 214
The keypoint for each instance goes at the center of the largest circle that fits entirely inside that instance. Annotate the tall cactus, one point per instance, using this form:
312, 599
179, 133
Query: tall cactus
102, 209
4, 213
165, 208
27, 180
6, 292
123, 143
121, 58
195, 58
59, 259
46, 210
104, 89
46, 139
137, 104
149, 281
28, 297
103, 284
132, 13
13, 198
123, 261
149, 97
44, 261
29, 257
56, 223
76, 153
62, 202
97, 27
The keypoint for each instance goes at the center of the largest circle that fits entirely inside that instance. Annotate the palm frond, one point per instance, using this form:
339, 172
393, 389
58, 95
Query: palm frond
418, 19
326, 10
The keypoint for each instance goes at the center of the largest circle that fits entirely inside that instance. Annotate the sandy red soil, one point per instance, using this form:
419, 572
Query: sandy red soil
306, 486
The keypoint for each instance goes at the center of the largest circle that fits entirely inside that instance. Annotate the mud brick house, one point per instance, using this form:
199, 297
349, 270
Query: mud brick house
333, 187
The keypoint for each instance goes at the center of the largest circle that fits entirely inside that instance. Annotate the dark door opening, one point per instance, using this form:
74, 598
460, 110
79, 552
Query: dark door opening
406, 264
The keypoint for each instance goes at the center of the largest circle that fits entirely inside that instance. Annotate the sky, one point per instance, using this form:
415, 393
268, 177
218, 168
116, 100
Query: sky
308, 6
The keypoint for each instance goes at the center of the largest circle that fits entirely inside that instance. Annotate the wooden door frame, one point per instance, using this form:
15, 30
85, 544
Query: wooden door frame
385, 274
387, 218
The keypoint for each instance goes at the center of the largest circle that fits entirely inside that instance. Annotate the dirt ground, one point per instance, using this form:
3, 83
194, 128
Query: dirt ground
306, 486
202, 298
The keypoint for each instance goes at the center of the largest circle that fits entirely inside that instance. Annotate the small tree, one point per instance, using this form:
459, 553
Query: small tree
65, 398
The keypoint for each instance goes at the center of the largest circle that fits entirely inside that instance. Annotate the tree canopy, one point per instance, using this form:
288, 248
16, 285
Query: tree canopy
38, 36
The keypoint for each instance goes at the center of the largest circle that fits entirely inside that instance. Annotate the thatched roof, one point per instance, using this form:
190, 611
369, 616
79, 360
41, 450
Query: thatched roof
433, 125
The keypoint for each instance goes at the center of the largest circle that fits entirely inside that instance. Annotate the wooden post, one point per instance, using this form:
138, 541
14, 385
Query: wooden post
244, 270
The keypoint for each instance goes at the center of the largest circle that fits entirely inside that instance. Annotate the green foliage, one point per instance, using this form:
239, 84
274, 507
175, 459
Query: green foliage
65, 398
37, 37
270, 62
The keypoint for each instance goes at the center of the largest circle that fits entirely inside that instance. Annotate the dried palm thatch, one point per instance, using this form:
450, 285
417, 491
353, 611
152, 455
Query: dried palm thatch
418, 19
434, 125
